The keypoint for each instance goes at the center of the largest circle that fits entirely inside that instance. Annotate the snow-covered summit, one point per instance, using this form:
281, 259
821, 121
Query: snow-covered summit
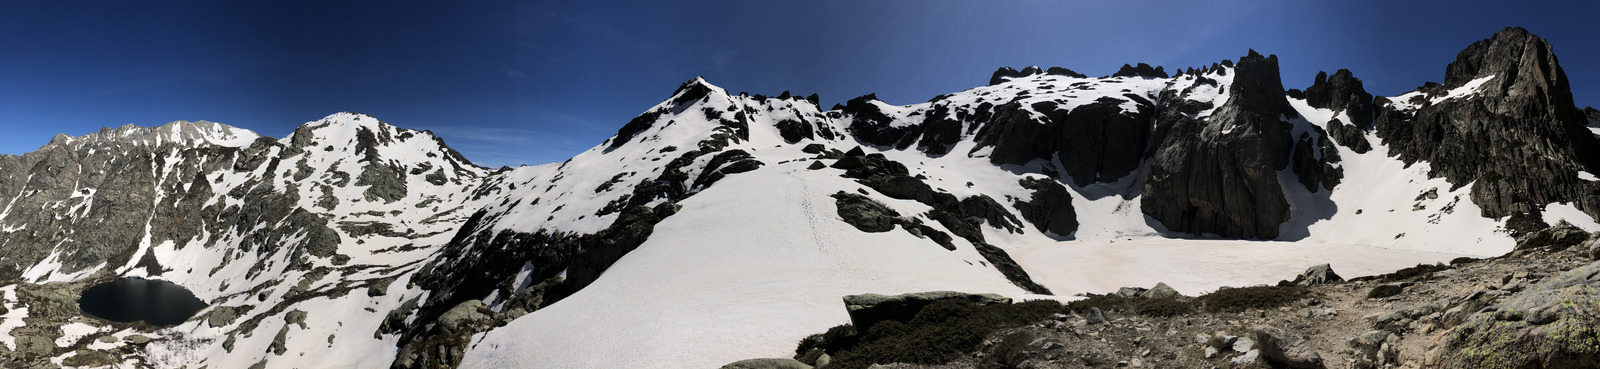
183, 133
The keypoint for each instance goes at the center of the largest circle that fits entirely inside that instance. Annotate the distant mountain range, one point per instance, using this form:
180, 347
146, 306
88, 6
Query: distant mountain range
718, 226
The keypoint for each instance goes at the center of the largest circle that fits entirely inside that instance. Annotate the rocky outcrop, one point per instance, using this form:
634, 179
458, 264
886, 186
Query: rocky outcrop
1006, 73
864, 214
1160, 291
1286, 350
1516, 137
445, 347
1318, 274
1218, 174
1550, 325
1050, 207
1059, 71
868, 309
1558, 237
1142, 70
1316, 161
1095, 142
1343, 93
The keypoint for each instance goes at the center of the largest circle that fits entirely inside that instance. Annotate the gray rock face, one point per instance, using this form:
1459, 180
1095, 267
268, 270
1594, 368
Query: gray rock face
1342, 92
1316, 161
868, 309
1375, 349
1006, 73
1219, 175
1050, 209
1095, 316
1520, 140
1550, 325
1095, 142
1284, 349
864, 214
1142, 70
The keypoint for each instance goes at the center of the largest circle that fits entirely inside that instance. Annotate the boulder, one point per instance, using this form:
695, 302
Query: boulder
1552, 324
1319, 274
1283, 349
773, 363
1373, 349
1557, 237
1161, 291
222, 316
868, 309
468, 317
136, 339
1131, 291
1094, 316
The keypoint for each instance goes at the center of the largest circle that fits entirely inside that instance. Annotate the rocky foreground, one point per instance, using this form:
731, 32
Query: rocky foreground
1536, 307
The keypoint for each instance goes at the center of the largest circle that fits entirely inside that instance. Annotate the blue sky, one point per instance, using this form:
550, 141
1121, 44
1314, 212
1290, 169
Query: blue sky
531, 82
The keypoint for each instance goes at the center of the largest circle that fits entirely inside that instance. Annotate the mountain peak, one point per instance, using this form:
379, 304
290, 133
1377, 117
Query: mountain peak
177, 132
1512, 52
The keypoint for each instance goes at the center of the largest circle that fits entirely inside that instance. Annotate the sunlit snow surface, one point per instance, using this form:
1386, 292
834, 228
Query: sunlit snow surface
761, 259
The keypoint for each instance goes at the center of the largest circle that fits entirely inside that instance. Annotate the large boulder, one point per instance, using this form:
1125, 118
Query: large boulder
1550, 325
868, 309
1319, 274
1286, 350
1557, 237
1161, 291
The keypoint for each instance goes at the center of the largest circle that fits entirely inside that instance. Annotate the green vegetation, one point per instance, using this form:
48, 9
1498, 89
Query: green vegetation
1241, 299
941, 332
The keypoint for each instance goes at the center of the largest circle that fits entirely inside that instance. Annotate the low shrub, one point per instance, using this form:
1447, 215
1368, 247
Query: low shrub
940, 332
1010, 352
1107, 302
1138, 305
1421, 271
1163, 308
1245, 298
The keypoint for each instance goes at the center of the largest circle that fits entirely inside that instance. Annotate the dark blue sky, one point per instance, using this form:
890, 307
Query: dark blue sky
510, 83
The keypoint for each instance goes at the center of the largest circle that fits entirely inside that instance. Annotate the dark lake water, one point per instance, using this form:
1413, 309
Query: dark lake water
134, 299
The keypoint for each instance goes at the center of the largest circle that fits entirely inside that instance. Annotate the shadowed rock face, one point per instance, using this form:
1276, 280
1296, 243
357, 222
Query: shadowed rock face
1342, 92
1218, 174
1521, 141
